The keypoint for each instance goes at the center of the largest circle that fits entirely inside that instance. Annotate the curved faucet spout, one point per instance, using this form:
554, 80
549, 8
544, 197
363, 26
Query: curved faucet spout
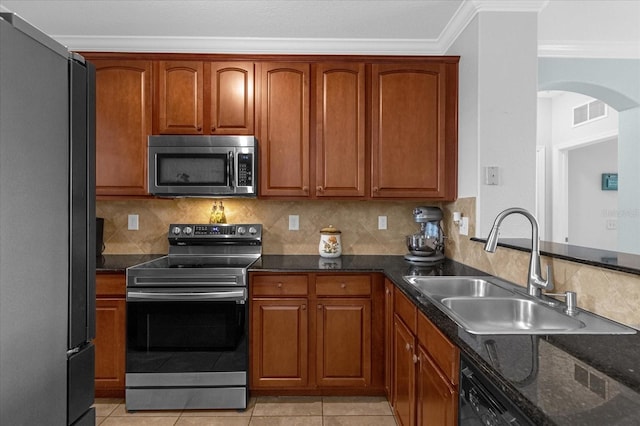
535, 282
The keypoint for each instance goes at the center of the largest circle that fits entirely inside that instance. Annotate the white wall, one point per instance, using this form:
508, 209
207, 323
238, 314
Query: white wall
497, 115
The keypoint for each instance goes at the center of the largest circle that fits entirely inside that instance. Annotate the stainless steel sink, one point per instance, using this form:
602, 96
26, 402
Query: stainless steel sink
489, 305
508, 315
441, 287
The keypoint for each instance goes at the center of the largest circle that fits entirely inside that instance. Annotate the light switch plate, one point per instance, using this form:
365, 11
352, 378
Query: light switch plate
382, 222
132, 222
294, 222
464, 226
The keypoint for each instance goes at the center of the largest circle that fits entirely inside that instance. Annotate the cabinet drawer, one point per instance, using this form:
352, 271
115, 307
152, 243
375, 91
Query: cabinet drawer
110, 284
279, 285
343, 285
405, 309
440, 349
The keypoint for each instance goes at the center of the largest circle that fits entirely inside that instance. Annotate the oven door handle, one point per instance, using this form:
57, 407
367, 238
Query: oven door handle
233, 295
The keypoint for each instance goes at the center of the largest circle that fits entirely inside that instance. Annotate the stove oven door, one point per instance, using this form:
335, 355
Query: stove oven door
186, 348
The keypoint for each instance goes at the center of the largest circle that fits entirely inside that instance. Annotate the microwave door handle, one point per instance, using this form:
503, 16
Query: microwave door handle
232, 169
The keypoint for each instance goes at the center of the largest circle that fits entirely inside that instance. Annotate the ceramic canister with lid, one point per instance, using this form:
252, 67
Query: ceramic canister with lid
330, 244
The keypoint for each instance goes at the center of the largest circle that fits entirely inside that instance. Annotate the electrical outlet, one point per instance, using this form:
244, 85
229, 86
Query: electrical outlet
132, 222
382, 222
294, 222
464, 226
492, 175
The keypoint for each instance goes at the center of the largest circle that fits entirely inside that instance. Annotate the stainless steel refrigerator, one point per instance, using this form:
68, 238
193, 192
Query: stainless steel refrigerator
47, 230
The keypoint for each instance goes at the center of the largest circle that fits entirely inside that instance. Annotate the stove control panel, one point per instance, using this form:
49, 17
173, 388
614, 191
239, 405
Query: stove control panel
213, 232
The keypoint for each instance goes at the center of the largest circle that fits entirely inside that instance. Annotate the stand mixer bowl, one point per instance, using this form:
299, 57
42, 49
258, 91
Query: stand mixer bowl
421, 245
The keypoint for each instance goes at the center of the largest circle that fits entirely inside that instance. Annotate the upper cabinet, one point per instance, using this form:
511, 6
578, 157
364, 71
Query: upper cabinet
283, 135
180, 95
231, 92
340, 142
196, 97
360, 127
123, 122
414, 130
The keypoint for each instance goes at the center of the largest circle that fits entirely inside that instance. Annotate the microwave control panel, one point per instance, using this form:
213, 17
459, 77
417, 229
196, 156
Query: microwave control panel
245, 169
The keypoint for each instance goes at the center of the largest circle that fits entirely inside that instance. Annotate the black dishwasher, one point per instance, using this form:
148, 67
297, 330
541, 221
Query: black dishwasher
482, 403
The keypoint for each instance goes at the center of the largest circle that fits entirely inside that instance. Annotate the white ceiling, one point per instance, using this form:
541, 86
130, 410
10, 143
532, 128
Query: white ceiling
587, 27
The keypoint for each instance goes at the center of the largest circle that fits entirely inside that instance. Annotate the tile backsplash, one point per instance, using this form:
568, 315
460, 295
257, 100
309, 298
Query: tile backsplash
608, 293
357, 220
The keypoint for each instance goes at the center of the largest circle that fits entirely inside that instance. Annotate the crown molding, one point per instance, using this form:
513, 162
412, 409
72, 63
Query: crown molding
588, 49
249, 45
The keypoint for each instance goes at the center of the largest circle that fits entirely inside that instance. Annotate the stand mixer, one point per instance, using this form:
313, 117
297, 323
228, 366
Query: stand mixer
426, 246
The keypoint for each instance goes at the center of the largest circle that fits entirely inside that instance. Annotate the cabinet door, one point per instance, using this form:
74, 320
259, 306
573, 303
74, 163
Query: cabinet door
412, 143
340, 130
388, 338
279, 343
123, 122
180, 97
343, 339
437, 398
284, 129
110, 347
231, 105
404, 374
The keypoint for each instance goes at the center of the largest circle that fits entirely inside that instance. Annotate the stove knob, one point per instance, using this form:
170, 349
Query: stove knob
253, 231
176, 230
241, 230
188, 230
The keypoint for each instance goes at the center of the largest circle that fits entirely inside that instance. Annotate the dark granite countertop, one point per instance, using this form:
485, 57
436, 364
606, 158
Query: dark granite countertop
120, 262
554, 380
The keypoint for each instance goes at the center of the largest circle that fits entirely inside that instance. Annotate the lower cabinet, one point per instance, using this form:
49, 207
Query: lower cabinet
110, 335
317, 333
425, 369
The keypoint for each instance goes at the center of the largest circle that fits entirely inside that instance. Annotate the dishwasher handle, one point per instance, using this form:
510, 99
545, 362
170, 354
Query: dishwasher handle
238, 295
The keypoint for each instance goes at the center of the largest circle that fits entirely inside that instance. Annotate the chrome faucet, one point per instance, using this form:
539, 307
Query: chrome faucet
535, 282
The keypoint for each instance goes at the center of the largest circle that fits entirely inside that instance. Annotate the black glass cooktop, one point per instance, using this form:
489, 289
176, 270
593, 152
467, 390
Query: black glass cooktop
210, 262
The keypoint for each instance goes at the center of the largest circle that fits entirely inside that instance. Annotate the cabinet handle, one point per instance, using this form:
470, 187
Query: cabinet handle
343, 285
319, 189
375, 189
415, 359
408, 347
387, 291
279, 285
305, 189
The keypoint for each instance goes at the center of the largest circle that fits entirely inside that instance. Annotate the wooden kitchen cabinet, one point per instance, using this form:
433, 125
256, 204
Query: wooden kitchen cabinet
279, 333
425, 369
317, 332
414, 130
180, 97
283, 131
110, 335
123, 123
202, 97
340, 143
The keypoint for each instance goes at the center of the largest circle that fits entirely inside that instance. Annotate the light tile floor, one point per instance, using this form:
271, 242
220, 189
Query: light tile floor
262, 411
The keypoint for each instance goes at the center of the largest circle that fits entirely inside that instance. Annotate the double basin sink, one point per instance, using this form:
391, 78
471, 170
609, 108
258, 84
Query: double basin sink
489, 305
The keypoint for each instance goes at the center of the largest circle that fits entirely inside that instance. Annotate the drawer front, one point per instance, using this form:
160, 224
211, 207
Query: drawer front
343, 285
440, 349
111, 284
405, 309
279, 285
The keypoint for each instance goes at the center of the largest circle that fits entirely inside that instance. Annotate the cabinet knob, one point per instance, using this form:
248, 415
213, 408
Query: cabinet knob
304, 307
387, 291
319, 188
375, 189
199, 128
319, 307
305, 189
407, 347
213, 128
343, 285
415, 358
279, 285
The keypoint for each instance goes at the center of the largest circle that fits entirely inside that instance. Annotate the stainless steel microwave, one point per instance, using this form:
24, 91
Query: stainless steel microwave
203, 166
